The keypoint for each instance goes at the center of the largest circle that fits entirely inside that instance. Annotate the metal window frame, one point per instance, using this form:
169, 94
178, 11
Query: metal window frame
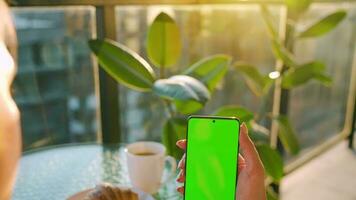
108, 87
351, 116
109, 92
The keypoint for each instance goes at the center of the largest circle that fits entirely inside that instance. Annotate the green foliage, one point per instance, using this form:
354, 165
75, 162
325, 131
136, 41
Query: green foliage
242, 113
268, 19
258, 137
287, 135
124, 65
280, 52
271, 160
298, 6
257, 82
298, 76
324, 26
293, 74
258, 133
174, 129
163, 41
324, 79
188, 107
181, 87
210, 70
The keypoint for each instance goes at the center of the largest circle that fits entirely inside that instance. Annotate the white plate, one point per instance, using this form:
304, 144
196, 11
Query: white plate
82, 194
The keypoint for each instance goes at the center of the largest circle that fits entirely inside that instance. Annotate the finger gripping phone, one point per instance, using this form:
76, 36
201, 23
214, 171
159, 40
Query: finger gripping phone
211, 158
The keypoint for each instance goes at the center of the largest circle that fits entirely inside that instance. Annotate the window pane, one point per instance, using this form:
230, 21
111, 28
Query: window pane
236, 30
54, 87
318, 112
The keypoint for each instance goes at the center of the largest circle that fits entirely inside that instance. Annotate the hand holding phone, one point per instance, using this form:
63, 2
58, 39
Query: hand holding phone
250, 184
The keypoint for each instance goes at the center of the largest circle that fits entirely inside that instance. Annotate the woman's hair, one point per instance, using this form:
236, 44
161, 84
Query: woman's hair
7, 29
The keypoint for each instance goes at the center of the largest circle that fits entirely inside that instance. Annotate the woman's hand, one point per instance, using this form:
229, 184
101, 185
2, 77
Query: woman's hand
251, 173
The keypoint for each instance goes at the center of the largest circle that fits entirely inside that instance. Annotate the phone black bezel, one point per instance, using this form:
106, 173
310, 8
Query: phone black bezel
238, 144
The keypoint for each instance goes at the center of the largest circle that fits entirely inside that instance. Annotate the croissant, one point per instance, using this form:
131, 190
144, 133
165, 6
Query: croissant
109, 192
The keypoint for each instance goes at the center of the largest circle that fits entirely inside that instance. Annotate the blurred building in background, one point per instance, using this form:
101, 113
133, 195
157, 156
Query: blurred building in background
54, 88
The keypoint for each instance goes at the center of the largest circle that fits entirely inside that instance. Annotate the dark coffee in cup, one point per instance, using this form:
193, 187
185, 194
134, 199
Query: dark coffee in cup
144, 153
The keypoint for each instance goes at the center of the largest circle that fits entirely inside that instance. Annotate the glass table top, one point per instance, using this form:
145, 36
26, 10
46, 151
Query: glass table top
61, 171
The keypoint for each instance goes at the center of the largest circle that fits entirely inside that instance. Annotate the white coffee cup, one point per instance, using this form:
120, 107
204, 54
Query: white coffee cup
146, 161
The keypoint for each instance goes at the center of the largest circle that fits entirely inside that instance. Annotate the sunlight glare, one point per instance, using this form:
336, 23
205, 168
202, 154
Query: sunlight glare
274, 74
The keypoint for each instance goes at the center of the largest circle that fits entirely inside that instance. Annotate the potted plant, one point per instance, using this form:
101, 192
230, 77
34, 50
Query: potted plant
188, 92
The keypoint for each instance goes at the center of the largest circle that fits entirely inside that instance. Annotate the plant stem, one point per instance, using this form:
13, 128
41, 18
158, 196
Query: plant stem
265, 101
162, 72
281, 96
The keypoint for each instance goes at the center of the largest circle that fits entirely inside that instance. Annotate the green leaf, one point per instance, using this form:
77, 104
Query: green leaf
257, 136
258, 133
283, 54
254, 79
188, 107
271, 160
210, 70
287, 135
324, 26
163, 41
181, 87
241, 113
324, 79
252, 73
268, 19
300, 75
298, 6
124, 65
173, 130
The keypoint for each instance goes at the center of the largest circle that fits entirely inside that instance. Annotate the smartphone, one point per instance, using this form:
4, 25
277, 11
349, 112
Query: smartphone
211, 158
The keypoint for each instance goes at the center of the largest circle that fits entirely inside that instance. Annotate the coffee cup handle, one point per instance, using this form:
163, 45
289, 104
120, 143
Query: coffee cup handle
172, 161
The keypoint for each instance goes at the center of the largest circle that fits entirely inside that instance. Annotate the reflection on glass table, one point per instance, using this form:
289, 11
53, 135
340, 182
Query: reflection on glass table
61, 171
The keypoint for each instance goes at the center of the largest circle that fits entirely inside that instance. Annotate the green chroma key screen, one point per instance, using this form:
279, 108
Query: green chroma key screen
212, 156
